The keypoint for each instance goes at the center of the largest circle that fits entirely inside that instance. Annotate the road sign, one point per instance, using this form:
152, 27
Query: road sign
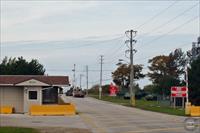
179, 91
113, 90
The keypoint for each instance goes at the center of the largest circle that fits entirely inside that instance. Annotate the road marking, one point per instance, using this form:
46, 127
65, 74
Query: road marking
90, 122
153, 130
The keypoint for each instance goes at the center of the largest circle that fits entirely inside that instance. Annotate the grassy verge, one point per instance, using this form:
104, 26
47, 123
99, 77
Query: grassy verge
145, 105
17, 130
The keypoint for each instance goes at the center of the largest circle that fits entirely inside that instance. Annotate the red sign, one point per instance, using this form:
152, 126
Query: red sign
113, 90
178, 91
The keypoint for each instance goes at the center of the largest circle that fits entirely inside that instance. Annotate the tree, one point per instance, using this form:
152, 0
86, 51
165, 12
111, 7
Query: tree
121, 76
159, 68
19, 66
150, 89
194, 82
177, 62
95, 89
172, 65
166, 71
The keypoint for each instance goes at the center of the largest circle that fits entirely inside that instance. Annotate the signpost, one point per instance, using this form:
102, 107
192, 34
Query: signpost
179, 92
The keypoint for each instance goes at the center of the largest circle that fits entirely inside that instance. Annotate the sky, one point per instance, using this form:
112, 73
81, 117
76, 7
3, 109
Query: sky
63, 33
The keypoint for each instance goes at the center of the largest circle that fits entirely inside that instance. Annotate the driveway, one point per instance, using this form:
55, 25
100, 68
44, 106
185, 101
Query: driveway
105, 117
46, 124
100, 117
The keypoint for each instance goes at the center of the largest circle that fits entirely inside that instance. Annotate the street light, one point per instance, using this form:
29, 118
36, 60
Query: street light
122, 60
119, 63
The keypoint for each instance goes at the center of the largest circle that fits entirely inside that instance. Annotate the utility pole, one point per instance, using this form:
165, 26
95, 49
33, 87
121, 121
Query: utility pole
186, 80
81, 75
131, 41
87, 80
74, 80
74, 70
100, 87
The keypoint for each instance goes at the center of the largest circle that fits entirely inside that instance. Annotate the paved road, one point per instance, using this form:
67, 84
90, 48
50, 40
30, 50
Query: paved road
104, 117
100, 117
46, 124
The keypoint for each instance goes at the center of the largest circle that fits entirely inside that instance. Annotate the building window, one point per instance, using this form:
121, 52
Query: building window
32, 95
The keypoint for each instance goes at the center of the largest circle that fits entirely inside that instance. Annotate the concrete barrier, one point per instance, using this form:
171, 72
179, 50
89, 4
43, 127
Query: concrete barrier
41, 110
6, 110
195, 111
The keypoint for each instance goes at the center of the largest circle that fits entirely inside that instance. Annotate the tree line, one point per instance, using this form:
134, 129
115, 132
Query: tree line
19, 66
165, 71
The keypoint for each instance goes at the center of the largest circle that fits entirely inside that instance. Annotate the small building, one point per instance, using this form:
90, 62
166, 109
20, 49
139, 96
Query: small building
22, 91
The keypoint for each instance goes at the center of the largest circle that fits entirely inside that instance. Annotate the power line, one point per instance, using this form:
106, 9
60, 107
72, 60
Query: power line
68, 70
101, 0
176, 28
115, 54
174, 18
93, 82
74, 46
114, 51
94, 43
147, 57
156, 15
169, 21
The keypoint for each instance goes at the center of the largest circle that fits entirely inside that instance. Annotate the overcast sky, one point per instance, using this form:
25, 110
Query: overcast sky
60, 34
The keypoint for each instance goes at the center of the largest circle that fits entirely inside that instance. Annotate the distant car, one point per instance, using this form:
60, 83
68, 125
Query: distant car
151, 97
79, 93
127, 95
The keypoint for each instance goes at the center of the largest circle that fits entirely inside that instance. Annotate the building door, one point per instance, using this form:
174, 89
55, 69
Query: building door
50, 95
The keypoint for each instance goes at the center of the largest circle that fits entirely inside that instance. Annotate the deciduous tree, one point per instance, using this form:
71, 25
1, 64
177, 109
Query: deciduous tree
121, 76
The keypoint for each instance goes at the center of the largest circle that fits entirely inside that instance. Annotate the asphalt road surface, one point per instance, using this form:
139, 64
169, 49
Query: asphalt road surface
100, 117
105, 117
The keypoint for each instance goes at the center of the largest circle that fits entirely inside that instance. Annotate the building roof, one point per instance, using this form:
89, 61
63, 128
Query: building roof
50, 80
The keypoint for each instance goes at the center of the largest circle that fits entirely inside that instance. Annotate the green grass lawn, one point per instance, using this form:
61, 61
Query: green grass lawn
145, 105
17, 130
